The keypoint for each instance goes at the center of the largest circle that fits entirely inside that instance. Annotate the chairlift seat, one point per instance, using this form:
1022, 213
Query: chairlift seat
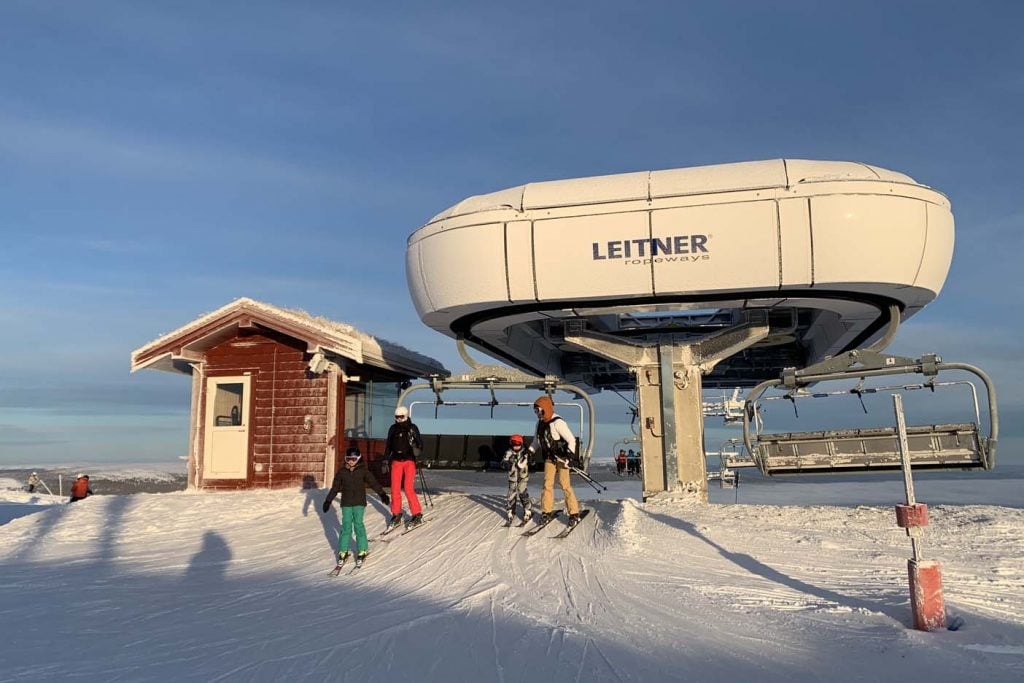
737, 460
940, 446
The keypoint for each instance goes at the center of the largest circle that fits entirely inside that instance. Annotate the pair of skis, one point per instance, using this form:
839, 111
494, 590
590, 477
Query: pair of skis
568, 530
382, 538
341, 565
408, 529
521, 524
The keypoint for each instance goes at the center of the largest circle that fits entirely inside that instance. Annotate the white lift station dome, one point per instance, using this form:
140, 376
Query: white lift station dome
734, 271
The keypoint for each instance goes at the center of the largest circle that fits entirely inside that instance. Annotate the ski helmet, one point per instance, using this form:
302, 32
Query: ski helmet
401, 411
352, 455
516, 440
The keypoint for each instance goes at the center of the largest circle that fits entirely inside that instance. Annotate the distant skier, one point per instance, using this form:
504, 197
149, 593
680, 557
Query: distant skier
403, 445
556, 444
80, 489
351, 481
517, 461
632, 463
620, 463
33, 482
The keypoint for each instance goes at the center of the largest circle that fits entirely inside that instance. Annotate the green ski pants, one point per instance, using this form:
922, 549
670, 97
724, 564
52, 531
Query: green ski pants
352, 516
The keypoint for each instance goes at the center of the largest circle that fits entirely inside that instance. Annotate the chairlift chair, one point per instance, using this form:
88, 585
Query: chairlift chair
932, 446
508, 380
732, 456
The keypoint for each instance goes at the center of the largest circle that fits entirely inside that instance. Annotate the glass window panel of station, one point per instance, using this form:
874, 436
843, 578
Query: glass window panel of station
356, 416
383, 399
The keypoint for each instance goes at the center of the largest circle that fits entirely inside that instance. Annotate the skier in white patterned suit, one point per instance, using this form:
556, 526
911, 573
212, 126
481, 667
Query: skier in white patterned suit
517, 461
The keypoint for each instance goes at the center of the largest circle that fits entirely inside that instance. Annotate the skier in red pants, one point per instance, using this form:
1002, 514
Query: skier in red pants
403, 445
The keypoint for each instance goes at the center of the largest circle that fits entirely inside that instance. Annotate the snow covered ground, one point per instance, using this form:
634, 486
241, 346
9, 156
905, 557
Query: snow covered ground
234, 586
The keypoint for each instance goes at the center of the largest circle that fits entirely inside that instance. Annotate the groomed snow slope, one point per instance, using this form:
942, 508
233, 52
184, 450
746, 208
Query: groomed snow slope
234, 586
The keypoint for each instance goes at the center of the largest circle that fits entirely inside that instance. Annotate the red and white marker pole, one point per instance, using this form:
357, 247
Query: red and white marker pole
926, 601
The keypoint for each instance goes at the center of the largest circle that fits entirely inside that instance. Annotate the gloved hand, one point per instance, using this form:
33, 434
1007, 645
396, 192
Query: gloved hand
327, 505
385, 467
384, 498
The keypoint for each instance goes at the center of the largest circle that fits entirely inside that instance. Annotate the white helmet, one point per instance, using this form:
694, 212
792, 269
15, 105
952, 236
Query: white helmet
401, 411
80, 475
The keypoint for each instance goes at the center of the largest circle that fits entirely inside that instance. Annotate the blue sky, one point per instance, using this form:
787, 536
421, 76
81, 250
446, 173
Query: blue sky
158, 160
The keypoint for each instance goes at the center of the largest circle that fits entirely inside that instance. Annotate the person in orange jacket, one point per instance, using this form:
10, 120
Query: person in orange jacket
556, 443
80, 489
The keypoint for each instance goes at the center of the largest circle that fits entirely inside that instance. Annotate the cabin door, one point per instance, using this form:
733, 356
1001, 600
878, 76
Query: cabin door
226, 449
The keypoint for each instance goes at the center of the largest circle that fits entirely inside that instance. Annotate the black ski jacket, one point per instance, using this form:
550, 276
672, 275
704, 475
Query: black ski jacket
352, 485
401, 439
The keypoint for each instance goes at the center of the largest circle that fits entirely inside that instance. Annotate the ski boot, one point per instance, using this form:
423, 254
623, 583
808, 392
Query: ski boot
415, 520
546, 517
342, 558
360, 558
509, 516
526, 517
574, 520
395, 521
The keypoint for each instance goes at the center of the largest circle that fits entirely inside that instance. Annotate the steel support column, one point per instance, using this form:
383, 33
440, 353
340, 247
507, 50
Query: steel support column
669, 399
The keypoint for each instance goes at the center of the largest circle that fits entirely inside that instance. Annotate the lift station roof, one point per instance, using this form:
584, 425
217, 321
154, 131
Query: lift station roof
823, 248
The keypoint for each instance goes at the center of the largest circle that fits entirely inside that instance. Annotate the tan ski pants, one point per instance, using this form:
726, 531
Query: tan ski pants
547, 496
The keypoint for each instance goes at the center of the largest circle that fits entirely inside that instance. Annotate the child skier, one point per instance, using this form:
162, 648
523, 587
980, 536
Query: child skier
517, 460
351, 480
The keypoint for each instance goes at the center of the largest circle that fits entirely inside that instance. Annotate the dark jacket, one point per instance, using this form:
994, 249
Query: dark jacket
401, 438
352, 485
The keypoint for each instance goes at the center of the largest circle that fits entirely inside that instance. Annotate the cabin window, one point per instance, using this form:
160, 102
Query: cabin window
369, 409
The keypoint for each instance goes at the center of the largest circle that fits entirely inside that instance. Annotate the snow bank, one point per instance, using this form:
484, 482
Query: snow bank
234, 586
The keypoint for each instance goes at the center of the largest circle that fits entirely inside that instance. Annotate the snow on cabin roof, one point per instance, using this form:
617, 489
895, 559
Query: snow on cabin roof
334, 337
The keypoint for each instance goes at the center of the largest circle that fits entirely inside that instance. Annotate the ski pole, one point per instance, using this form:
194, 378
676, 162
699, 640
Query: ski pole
587, 478
47, 488
423, 483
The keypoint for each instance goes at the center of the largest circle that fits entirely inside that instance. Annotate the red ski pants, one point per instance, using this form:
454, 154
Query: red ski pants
403, 476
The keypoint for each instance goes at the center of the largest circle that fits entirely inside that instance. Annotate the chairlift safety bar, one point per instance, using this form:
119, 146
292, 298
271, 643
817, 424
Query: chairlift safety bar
858, 391
516, 404
548, 384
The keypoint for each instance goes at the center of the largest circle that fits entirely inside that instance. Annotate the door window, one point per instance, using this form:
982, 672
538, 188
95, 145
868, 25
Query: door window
227, 405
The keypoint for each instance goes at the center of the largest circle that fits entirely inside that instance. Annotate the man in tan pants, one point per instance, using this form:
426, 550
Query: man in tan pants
555, 441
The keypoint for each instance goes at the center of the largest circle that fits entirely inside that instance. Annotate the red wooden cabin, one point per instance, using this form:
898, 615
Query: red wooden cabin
277, 394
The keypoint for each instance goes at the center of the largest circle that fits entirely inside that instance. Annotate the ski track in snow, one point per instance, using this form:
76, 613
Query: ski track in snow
234, 587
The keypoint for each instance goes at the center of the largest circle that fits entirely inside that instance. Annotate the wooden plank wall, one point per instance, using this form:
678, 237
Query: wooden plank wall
283, 394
